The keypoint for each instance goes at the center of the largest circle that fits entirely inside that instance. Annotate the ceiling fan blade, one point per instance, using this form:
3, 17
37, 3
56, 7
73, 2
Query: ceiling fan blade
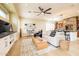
47, 10
41, 9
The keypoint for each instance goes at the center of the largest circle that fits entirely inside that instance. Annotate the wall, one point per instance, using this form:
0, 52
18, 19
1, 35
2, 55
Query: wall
40, 24
14, 20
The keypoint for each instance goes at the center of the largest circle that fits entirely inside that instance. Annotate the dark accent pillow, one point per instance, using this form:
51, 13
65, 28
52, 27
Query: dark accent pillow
52, 34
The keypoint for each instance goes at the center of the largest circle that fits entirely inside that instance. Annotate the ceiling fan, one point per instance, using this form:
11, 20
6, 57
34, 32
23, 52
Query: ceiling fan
42, 11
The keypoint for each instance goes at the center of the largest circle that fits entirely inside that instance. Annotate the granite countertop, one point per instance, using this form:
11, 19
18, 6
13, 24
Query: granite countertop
6, 34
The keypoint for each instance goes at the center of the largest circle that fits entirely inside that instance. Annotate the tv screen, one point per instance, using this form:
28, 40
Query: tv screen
4, 26
1, 29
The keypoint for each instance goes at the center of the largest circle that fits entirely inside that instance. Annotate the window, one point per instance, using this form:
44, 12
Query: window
3, 14
50, 26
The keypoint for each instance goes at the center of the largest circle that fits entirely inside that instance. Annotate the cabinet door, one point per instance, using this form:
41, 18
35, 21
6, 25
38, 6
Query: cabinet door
11, 39
78, 34
3, 45
77, 23
15, 35
77, 26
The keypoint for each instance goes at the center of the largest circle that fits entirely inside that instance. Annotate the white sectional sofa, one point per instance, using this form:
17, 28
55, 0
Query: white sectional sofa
54, 40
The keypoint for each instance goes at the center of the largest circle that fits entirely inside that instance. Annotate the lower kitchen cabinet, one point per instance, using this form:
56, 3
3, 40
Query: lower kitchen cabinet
6, 43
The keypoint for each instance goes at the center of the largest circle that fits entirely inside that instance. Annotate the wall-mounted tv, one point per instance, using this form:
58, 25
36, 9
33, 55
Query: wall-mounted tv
4, 26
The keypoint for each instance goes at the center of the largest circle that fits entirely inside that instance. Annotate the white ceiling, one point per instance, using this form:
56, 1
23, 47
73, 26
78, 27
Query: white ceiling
68, 10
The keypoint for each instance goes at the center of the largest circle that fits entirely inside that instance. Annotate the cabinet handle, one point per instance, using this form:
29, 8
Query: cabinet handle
10, 42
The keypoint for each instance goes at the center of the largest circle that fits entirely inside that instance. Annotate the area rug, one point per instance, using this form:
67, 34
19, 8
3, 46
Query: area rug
29, 49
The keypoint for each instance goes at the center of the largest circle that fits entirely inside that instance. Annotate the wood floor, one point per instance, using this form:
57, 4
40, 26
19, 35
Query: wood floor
15, 50
73, 51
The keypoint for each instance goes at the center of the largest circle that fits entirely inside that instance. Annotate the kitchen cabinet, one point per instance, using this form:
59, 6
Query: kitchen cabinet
2, 46
60, 26
70, 24
77, 26
6, 43
77, 20
77, 33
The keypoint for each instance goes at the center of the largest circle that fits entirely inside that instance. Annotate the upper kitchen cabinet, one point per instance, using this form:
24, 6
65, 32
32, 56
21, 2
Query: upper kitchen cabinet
77, 23
60, 26
70, 24
77, 26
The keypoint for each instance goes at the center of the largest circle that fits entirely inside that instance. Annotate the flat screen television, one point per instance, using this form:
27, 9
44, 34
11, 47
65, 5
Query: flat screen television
4, 26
